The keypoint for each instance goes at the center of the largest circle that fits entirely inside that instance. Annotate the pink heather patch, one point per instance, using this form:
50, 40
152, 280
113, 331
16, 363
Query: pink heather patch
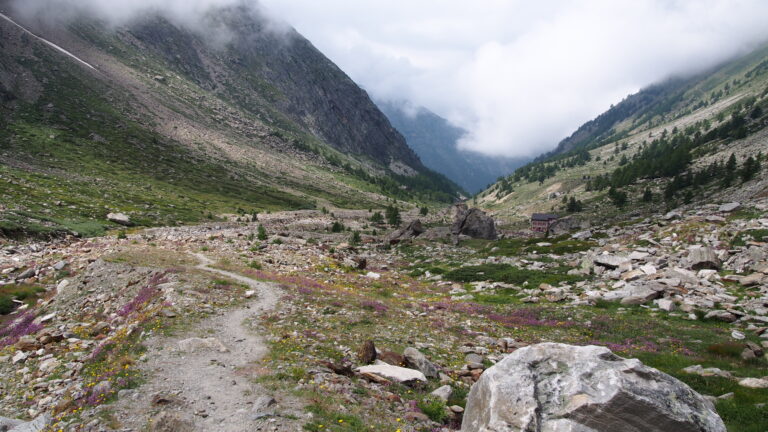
373, 305
144, 296
19, 328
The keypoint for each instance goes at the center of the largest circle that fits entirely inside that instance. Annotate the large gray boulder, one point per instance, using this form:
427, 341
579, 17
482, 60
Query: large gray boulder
473, 223
561, 388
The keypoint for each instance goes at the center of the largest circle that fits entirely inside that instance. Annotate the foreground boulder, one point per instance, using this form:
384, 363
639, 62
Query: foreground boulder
473, 223
561, 388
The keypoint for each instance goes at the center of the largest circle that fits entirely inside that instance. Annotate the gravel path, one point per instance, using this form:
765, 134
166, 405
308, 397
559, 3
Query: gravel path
205, 389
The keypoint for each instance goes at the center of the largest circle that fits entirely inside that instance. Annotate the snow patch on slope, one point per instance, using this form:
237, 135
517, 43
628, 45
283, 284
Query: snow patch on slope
51, 44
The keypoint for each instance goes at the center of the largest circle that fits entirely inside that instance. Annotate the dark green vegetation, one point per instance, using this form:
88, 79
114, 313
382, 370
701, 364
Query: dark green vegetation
759, 235
21, 292
509, 274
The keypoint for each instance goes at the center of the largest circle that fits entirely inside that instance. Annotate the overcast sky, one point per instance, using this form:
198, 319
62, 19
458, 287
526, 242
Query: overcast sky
522, 75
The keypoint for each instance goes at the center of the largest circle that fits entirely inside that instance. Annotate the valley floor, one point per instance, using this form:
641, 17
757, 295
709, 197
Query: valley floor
211, 328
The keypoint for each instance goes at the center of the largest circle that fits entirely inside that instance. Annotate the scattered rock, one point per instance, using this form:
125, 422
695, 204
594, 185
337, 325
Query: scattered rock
120, 219
416, 360
444, 393
394, 373
755, 383
611, 262
557, 387
729, 207
411, 231
703, 258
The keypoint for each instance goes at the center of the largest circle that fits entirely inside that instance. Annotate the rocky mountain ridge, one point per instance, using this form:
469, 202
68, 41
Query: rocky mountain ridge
176, 128
672, 148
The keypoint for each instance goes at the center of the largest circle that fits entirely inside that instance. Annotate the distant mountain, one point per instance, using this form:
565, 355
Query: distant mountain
435, 141
160, 121
696, 139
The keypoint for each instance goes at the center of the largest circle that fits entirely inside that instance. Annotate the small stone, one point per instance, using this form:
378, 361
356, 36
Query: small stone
444, 393
194, 344
19, 357
737, 335
666, 305
367, 353
729, 207
751, 280
755, 383
721, 315
120, 219
250, 293
394, 373
49, 365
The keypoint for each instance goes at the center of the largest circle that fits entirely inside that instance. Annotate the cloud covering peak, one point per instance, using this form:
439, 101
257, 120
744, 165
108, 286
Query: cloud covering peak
521, 75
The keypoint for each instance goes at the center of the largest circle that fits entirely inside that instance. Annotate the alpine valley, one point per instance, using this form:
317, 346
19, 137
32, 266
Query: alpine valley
206, 225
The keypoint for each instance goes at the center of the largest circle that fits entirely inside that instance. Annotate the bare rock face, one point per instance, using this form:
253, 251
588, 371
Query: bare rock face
473, 223
561, 388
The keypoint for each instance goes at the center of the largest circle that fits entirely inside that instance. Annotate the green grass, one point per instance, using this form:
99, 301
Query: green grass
509, 274
519, 246
23, 292
750, 235
333, 421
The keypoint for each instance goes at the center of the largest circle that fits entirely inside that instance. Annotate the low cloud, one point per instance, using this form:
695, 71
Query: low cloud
518, 75
521, 75
187, 12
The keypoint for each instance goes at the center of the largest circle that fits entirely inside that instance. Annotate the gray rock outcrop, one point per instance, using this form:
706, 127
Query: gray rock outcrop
412, 230
474, 223
561, 388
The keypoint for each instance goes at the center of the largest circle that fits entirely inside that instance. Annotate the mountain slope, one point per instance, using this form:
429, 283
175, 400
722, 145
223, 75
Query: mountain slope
435, 141
169, 126
667, 146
